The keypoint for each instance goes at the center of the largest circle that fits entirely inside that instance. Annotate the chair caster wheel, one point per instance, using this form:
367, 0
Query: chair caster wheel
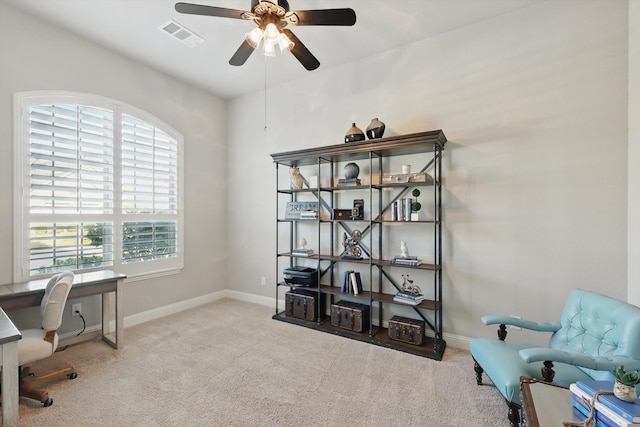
72, 376
48, 402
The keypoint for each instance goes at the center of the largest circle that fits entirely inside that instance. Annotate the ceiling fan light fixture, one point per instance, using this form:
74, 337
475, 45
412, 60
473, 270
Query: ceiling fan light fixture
254, 37
269, 48
285, 43
271, 33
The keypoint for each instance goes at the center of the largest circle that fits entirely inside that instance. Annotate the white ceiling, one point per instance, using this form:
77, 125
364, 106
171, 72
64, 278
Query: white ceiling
131, 27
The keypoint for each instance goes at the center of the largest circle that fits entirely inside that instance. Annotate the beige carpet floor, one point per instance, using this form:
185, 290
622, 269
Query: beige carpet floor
229, 364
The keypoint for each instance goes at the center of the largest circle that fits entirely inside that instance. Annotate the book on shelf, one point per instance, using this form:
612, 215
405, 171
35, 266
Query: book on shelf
408, 257
630, 411
407, 262
580, 394
584, 411
351, 282
410, 296
346, 281
309, 214
347, 182
302, 252
408, 301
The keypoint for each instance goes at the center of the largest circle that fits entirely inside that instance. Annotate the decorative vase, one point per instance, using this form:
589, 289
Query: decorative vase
624, 392
375, 129
351, 170
354, 134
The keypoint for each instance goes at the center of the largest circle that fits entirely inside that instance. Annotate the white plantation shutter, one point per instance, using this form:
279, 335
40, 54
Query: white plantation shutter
100, 186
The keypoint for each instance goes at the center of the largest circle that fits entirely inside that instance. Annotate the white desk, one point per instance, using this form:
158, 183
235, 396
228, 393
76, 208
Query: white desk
105, 282
9, 336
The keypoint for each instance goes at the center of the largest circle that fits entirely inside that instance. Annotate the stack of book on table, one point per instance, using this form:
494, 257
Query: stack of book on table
609, 410
408, 298
409, 261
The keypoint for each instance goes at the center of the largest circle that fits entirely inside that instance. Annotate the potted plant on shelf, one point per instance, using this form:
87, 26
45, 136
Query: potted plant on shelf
625, 385
415, 205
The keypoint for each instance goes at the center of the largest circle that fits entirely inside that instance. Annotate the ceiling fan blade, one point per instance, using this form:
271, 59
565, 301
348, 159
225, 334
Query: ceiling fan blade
198, 9
242, 54
301, 52
345, 17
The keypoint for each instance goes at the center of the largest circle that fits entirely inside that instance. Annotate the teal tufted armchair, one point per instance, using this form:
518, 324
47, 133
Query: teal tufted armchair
594, 336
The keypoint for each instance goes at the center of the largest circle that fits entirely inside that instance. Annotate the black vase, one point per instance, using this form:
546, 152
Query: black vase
354, 134
375, 129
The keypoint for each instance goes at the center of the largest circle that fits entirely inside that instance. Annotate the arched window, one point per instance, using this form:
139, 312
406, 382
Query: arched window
98, 184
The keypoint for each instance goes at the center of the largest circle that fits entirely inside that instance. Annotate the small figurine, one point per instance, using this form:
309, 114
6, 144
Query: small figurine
351, 248
295, 179
409, 287
303, 243
404, 250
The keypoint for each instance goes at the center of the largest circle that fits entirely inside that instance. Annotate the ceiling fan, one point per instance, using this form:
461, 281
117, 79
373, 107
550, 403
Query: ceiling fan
272, 16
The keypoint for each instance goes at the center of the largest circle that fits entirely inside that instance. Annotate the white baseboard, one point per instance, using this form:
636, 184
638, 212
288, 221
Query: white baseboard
454, 341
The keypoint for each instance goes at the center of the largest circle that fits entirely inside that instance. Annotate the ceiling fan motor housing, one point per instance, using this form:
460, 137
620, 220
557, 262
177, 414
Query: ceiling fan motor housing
277, 7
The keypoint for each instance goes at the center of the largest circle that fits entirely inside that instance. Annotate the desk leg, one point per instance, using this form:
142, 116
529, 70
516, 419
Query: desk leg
118, 342
10, 384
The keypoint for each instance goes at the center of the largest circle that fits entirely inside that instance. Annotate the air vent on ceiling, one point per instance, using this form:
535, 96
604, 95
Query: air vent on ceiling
182, 34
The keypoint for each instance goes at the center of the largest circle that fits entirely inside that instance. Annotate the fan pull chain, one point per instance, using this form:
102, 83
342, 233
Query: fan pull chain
265, 93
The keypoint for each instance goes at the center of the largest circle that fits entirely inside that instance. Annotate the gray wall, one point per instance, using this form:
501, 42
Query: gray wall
534, 104
35, 55
536, 107
634, 153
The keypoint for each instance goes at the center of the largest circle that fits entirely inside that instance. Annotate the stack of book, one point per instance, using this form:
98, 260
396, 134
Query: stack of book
349, 182
408, 298
309, 214
609, 410
302, 252
351, 282
409, 261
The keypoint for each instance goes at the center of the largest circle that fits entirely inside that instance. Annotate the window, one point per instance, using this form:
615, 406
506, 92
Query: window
98, 184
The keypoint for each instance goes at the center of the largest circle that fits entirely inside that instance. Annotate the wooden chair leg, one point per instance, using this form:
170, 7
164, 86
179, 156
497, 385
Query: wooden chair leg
547, 372
513, 414
479, 372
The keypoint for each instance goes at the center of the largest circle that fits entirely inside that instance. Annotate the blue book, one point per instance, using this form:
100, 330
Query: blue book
601, 420
630, 411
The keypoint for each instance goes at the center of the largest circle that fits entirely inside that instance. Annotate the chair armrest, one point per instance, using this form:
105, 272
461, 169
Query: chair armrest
541, 354
522, 323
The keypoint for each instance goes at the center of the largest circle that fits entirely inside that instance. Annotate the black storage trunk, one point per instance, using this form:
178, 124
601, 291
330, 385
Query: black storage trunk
301, 276
302, 304
406, 330
350, 315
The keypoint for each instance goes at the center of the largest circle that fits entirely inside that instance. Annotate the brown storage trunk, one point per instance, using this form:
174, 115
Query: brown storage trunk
302, 304
406, 330
350, 315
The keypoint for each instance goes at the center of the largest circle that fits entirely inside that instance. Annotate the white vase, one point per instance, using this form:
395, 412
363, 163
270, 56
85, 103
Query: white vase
624, 392
415, 216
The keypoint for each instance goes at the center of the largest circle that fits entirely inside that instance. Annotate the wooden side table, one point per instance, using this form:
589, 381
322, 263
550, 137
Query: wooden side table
545, 404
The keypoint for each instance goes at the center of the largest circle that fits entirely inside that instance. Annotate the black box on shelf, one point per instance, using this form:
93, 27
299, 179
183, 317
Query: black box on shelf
350, 315
301, 276
406, 330
303, 304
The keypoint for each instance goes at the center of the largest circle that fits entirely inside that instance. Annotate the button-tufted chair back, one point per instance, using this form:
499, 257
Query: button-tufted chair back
597, 325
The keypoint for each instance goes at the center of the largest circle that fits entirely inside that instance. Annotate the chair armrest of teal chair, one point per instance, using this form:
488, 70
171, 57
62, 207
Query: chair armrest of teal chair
541, 354
522, 323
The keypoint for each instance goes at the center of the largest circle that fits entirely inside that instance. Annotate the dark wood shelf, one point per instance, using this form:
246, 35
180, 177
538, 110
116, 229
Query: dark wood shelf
378, 336
415, 143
